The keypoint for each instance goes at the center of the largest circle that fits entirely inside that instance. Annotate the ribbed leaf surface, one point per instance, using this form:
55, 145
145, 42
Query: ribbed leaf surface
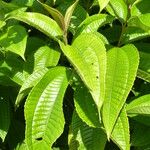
43, 109
89, 138
103, 4
86, 107
118, 8
31, 81
139, 106
92, 23
122, 64
88, 51
120, 134
40, 22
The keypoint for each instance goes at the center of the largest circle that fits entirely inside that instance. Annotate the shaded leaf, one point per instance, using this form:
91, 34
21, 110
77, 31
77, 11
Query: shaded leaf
4, 117
85, 107
87, 138
14, 40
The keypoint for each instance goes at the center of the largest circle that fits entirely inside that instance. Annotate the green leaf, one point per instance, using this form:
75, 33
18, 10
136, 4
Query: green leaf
119, 9
2, 23
45, 56
4, 114
144, 66
14, 40
86, 107
58, 17
139, 106
88, 50
30, 82
120, 134
122, 64
69, 13
139, 130
43, 109
140, 7
41, 22
92, 23
133, 34
76, 17
87, 138
141, 21
103, 4
23, 2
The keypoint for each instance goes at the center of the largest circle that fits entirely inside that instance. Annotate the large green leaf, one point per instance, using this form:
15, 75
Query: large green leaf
14, 39
43, 109
30, 82
86, 107
88, 51
139, 106
119, 9
92, 23
122, 64
40, 22
84, 137
120, 134
103, 4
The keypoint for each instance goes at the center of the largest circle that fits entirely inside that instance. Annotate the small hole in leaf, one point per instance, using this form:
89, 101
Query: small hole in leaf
39, 139
96, 77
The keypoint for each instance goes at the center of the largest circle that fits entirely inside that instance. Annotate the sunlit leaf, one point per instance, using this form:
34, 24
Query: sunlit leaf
43, 109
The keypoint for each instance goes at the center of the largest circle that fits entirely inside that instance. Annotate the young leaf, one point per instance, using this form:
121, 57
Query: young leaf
30, 82
103, 4
86, 107
122, 64
88, 51
43, 109
69, 13
14, 40
139, 106
120, 134
92, 23
58, 17
118, 8
41, 22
